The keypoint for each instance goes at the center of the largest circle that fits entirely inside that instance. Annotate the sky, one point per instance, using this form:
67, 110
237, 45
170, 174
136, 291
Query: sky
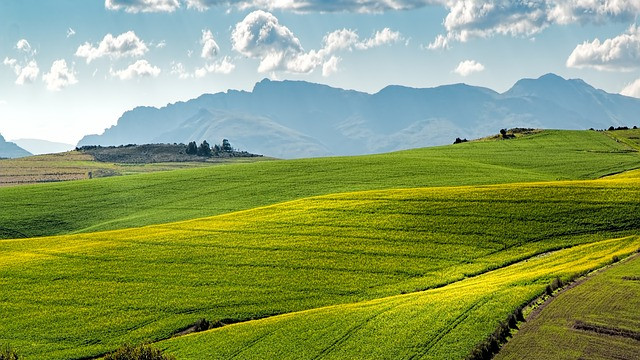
72, 67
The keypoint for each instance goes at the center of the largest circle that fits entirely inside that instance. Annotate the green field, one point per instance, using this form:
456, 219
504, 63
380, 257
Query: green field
413, 254
443, 323
82, 295
138, 200
568, 328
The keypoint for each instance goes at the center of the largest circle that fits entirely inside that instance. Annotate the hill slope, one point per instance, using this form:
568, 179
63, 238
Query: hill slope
138, 200
81, 295
11, 150
595, 320
293, 119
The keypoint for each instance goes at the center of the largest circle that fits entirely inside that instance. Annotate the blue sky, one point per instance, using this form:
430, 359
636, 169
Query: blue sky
72, 67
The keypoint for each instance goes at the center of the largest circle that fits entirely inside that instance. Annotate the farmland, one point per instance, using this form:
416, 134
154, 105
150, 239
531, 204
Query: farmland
413, 254
443, 323
74, 165
138, 200
82, 295
596, 320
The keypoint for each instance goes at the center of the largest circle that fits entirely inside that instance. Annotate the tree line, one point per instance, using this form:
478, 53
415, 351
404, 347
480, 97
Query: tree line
204, 149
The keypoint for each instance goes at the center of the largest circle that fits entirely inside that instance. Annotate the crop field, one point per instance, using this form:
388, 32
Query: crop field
74, 165
599, 319
442, 323
139, 200
347, 255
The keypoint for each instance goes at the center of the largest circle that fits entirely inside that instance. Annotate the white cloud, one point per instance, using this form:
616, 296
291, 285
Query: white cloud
70, 32
469, 19
124, 45
161, 45
261, 36
135, 6
330, 66
381, 37
468, 67
59, 77
209, 46
10, 62
24, 46
621, 53
177, 68
26, 73
340, 40
139, 69
632, 89
224, 66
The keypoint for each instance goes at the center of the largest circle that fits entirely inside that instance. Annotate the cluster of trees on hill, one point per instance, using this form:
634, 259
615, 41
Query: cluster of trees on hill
613, 128
207, 150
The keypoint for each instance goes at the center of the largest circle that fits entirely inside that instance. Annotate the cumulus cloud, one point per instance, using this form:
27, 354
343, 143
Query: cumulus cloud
330, 66
261, 36
224, 66
24, 46
621, 53
26, 73
383, 37
340, 40
210, 47
124, 45
469, 19
135, 6
468, 67
632, 89
139, 69
60, 76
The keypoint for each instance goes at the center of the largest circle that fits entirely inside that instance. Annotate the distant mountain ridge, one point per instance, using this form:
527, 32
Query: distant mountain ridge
11, 150
292, 119
38, 146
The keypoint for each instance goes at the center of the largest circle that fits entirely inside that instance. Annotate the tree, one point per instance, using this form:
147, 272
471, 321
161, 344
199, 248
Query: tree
204, 149
226, 146
503, 132
192, 148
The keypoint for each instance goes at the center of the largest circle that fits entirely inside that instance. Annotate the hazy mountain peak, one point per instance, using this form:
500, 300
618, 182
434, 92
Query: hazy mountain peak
11, 150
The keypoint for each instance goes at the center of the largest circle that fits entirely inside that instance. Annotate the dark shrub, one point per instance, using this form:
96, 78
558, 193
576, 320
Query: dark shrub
202, 325
139, 352
7, 353
615, 259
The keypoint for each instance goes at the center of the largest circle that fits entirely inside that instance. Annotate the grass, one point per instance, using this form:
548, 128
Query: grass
443, 323
75, 165
138, 200
82, 295
568, 328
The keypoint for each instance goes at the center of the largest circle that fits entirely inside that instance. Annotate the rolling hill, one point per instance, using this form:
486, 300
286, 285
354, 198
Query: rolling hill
11, 150
294, 119
597, 319
468, 255
138, 200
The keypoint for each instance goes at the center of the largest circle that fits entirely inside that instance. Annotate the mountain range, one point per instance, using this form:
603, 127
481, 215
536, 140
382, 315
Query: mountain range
11, 150
38, 146
292, 119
